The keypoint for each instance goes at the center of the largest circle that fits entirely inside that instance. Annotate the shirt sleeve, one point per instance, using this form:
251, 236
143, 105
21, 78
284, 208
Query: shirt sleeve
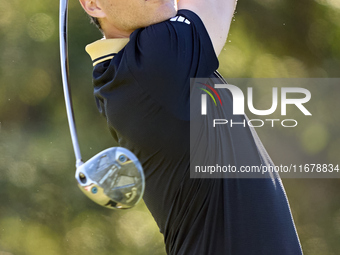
163, 57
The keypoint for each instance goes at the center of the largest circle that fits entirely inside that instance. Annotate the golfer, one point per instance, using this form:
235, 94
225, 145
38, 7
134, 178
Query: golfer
141, 78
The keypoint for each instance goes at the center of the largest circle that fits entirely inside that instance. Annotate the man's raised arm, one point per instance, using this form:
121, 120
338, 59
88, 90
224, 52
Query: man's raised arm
216, 16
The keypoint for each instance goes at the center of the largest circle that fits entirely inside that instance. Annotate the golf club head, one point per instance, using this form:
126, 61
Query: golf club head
113, 178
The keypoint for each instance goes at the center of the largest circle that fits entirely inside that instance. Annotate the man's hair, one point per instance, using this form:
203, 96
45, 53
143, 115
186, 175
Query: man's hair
95, 21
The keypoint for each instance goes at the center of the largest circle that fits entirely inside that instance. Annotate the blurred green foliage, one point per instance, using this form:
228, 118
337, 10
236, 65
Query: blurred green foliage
41, 209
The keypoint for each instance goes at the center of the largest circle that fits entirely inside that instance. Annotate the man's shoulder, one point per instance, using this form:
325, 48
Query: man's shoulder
156, 35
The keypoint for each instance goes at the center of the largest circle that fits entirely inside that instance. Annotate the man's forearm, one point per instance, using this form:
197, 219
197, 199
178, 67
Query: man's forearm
216, 16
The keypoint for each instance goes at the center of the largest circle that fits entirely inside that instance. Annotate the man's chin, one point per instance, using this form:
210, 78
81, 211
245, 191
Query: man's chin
164, 12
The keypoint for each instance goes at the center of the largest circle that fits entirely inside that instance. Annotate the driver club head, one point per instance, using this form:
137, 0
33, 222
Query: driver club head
113, 178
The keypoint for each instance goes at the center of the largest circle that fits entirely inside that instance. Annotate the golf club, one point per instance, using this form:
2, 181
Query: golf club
113, 178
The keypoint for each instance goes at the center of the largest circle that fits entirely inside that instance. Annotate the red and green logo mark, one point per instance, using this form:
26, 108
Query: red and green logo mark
210, 94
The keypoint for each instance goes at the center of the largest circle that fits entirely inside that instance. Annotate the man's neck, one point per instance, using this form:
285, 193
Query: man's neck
112, 32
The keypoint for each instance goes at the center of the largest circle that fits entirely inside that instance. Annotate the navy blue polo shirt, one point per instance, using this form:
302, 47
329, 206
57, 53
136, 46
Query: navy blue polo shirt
142, 87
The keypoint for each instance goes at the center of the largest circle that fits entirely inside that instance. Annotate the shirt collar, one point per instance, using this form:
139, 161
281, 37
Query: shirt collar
105, 49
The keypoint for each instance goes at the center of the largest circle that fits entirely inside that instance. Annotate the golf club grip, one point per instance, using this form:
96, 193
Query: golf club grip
63, 13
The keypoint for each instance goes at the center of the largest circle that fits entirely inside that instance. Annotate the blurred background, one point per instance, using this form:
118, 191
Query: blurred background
42, 211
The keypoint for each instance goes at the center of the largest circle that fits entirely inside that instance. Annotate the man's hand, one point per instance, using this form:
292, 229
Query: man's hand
216, 16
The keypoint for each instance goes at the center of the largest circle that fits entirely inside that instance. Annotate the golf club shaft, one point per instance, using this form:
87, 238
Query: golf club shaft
63, 12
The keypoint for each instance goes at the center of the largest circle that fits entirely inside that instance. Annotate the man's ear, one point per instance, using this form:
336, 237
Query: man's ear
93, 8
